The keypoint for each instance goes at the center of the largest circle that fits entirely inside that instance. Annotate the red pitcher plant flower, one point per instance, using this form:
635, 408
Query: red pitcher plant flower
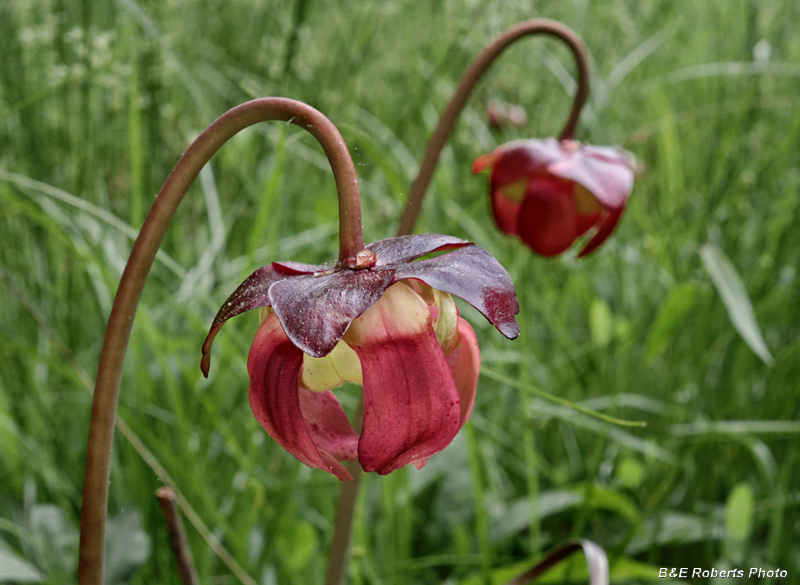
388, 324
551, 192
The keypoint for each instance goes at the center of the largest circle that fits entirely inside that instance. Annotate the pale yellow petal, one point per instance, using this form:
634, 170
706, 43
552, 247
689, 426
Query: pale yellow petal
332, 370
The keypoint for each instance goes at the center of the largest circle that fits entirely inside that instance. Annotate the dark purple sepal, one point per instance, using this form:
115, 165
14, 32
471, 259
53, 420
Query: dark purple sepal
251, 294
474, 275
315, 311
407, 248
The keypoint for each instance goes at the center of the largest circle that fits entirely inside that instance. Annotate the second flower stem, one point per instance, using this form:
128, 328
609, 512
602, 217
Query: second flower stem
447, 122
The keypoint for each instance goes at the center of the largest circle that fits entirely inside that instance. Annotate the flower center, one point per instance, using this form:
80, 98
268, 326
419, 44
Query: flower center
406, 298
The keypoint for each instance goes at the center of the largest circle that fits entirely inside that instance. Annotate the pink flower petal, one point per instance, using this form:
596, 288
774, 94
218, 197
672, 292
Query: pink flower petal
547, 220
474, 275
518, 160
604, 171
274, 366
407, 248
606, 228
465, 365
411, 404
328, 424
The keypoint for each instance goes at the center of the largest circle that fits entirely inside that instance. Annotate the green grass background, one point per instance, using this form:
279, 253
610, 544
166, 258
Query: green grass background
688, 318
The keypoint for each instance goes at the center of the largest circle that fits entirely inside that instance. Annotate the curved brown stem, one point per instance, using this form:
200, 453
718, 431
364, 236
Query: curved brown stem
120, 322
450, 115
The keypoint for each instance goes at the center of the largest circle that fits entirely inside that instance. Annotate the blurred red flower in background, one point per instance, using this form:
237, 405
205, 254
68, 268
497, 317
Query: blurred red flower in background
551, 192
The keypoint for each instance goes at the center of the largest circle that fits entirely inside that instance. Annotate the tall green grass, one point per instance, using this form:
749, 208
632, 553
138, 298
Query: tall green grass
99, 99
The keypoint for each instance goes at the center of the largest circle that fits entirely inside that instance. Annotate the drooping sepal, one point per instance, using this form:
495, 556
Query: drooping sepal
315, 311
251, 294
404, 249
474, 275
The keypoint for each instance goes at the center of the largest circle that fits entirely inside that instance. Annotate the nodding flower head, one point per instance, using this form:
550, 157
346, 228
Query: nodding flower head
551, 192
384, 321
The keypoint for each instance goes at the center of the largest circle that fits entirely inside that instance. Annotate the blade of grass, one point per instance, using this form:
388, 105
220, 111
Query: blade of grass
135, 131
491, 374
89, 208
734, 296
149, 458
736, 427
481, 514
269, 203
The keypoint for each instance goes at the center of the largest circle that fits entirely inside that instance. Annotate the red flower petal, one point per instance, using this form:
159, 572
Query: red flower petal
407, 248
465, 365
251, 294
315, 311
606, 228
274, 366
474, 275
485, 161
547, 219
328, 424
411, 404
505, 212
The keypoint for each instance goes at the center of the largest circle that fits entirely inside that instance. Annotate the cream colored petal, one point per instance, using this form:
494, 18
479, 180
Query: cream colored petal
446, 326
400, 310
585, 202
263, 313
332, 370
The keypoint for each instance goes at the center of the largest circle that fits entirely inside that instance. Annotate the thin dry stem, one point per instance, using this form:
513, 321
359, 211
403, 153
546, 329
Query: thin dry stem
177, 536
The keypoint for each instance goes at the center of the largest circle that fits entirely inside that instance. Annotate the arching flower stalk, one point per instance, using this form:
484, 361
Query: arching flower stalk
120, 322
